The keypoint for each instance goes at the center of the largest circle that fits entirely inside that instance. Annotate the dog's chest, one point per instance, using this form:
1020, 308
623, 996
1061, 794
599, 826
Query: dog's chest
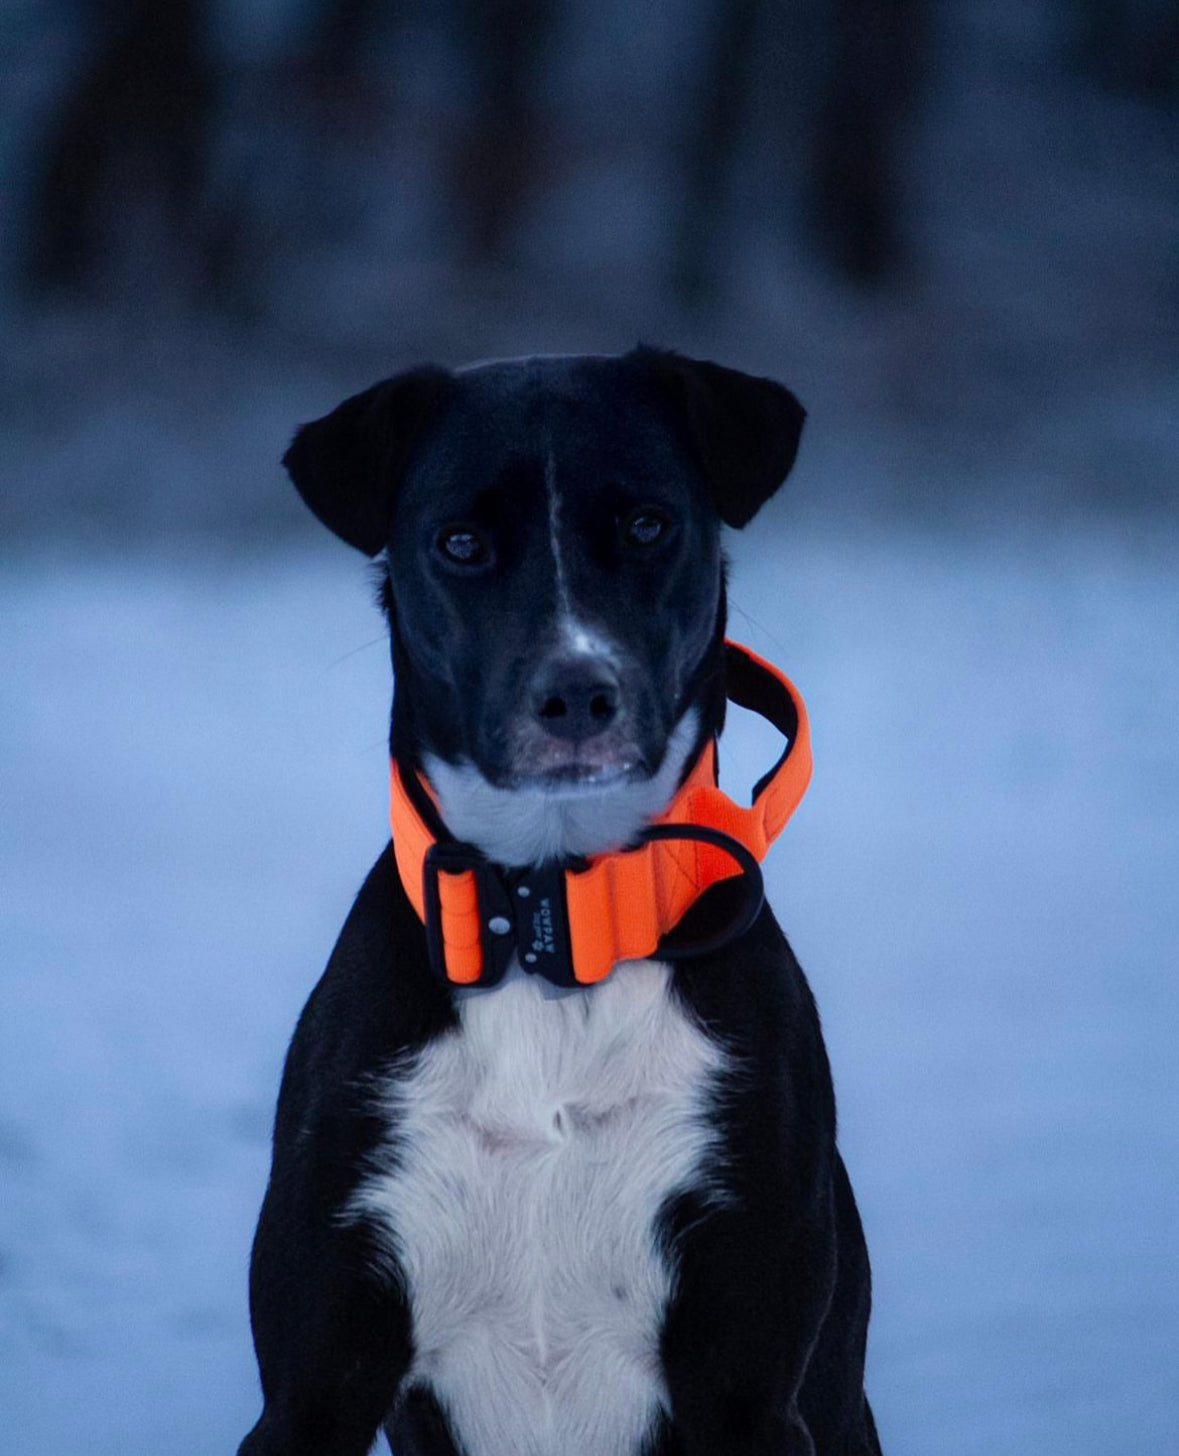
530, 1155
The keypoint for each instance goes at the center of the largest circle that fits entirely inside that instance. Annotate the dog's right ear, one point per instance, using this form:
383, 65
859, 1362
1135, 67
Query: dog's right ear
348, 466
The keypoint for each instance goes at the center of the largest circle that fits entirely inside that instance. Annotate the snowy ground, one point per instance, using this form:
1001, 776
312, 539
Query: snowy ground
981, 885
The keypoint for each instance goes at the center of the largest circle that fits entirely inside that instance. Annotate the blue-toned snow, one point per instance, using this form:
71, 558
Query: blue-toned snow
982, 885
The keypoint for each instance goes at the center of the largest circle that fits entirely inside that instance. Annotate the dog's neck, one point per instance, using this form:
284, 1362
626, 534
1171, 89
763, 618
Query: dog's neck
522, 827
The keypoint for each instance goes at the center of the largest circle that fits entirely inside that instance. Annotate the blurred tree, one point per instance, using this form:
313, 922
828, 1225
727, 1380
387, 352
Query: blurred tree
342, 35
854, 186
498, 158
335, 71
1131, 45
135, 123
712, 145
853, 173
333, 118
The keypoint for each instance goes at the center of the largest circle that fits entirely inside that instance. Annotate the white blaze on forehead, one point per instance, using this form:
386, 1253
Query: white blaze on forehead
576, 636
564, 608
583, 641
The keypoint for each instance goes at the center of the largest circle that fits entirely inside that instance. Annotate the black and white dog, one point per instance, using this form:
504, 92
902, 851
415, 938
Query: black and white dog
520, 1219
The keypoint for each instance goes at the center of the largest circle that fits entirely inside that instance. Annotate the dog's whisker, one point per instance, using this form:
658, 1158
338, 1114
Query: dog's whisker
761, 627
353, 652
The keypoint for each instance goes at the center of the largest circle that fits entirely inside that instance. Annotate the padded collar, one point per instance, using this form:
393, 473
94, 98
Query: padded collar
573, 924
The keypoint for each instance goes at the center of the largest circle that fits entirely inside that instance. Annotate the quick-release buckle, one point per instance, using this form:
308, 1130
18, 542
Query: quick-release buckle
542, 923
522, 911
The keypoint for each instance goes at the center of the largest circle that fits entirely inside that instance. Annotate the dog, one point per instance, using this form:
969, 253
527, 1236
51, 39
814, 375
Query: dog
554, 1165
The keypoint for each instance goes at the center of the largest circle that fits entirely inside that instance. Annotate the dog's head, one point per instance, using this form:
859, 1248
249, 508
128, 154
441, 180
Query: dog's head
552, 532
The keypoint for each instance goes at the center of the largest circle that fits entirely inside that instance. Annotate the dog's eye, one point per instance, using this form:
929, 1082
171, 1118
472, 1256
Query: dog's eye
645, 527
464, 545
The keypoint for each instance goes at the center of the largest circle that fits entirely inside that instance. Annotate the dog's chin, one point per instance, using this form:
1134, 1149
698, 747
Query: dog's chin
559, 799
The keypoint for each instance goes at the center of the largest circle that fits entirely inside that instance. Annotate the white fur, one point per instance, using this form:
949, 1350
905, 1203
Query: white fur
528, 826
532, 1151
576, 636
564, 605
581, 640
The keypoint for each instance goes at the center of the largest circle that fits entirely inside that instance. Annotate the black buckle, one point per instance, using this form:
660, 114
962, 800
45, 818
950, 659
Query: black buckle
522, 911
542, 923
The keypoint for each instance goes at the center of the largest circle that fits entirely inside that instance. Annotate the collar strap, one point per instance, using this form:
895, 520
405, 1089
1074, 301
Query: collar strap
572, 925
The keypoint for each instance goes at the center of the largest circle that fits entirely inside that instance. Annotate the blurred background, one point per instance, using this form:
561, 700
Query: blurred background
953, 229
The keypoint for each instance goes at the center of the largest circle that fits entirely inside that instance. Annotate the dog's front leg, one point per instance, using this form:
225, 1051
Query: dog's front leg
332, 1335
756, 1252
740, 1331
331, 1323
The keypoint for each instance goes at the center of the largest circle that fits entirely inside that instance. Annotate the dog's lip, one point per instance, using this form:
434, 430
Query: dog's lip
578, 777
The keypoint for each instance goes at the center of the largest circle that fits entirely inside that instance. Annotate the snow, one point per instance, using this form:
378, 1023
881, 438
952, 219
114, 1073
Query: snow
981, 884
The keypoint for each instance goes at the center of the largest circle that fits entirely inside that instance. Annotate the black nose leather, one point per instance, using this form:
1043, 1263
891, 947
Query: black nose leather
575, 699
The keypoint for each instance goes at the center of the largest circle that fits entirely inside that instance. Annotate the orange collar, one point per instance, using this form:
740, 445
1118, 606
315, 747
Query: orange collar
574, 925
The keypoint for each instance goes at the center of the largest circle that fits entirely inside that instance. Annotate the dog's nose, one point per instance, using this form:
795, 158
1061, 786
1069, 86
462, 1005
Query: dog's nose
575, 698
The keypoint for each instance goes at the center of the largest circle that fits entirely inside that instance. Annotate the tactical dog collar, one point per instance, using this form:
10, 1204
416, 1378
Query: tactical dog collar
573, 924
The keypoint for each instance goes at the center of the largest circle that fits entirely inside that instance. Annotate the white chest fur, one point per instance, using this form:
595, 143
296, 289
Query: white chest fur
533, 1151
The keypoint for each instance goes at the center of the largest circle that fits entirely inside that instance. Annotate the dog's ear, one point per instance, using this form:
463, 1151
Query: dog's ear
348, 465
743, 431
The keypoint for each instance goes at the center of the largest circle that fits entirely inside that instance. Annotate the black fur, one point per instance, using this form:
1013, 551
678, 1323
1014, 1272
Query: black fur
763, 1342
332, 1340
347, 466
744, 431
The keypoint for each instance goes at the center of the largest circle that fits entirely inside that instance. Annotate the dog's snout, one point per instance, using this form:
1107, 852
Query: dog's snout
576, 698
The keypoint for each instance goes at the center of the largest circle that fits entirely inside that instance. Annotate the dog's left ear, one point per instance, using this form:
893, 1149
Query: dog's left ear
744, 431
348, 466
